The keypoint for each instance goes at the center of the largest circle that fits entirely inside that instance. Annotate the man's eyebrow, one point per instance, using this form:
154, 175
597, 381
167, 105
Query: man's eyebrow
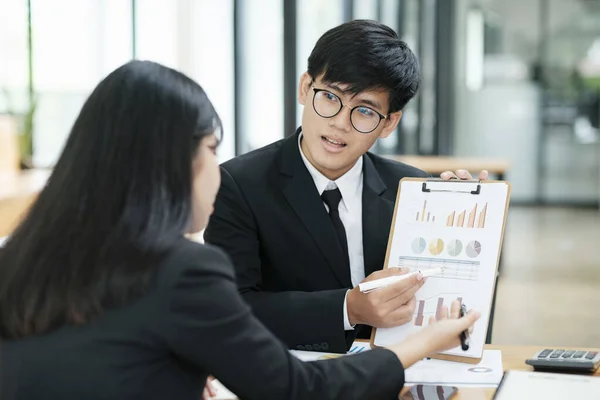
369, 102
337, 88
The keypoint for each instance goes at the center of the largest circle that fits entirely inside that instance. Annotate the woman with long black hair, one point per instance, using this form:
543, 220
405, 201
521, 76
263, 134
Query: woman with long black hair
101, 295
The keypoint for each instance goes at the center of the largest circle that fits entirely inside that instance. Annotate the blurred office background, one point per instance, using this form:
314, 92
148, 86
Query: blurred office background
515, 81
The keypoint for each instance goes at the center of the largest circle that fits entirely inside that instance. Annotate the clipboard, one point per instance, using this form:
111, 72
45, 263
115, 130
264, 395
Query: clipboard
466, 262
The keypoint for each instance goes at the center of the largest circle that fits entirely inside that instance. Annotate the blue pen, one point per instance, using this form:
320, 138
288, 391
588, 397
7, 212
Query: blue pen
464, 335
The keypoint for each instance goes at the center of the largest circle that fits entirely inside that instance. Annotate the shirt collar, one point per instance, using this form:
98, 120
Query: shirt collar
349, 183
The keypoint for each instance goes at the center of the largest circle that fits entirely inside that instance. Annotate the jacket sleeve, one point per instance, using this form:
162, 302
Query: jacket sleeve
210, 327
303, 320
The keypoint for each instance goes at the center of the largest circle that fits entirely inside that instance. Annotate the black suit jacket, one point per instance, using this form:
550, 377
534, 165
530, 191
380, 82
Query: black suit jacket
271, 220
192, 322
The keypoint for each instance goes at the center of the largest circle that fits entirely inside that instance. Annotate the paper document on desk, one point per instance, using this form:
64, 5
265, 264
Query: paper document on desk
222, 392
488, 373
357, 347
520, 385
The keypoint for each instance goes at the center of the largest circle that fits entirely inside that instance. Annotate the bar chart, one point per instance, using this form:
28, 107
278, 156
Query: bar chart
475, 219
424, 215
459, 219
433, 306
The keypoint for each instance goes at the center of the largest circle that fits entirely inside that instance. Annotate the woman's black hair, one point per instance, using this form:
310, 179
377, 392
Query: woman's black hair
119, 197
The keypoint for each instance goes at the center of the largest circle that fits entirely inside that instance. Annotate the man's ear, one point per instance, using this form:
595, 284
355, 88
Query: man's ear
390, 124
304, 88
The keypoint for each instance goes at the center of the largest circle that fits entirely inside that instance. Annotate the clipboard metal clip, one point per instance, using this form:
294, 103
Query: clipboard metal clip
453, 180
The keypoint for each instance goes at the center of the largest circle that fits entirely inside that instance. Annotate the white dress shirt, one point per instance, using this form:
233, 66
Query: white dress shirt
350, 209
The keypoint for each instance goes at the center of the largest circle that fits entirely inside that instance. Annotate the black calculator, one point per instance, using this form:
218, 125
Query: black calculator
565, 360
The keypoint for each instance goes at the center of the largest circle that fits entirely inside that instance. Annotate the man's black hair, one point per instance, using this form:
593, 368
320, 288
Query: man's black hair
367, 55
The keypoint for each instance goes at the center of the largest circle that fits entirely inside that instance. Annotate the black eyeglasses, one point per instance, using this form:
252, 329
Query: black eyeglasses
363, 119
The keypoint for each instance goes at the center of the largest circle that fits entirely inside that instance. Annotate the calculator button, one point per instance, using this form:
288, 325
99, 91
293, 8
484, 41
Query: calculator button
557, 353
545, 353
579, 354
568, 354
591, 355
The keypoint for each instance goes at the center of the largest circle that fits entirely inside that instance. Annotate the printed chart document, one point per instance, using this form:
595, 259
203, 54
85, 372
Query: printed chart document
487, 373
521, 385
457, 226
357, 347
222, 392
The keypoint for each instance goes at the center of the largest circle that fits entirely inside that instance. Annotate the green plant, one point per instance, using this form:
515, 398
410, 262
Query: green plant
25, 118
26, 142
25, 126
26, 134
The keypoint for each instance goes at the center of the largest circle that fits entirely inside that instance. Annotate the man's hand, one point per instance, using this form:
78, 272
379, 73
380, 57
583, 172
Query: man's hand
387, 307
463, 175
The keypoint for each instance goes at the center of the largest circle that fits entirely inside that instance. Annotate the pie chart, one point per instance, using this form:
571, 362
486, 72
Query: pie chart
474, 249
436, 246
418, 245
455, 247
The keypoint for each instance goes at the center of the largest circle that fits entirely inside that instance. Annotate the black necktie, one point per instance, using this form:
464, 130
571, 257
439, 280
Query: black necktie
332, 199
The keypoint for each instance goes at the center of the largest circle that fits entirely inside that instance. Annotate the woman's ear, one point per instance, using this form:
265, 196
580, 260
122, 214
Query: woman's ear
304, 87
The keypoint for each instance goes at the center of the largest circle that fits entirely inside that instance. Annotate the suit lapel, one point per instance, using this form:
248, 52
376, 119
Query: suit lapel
299, 190
377, 218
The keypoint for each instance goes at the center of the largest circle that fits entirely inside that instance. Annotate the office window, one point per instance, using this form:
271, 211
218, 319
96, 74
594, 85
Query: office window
390, 14
314, 17
13, 48
408, 138
261, 73
196, 38
157, 31
75, 44
387, 12
365, 9
206, 55
73, 50
427, 95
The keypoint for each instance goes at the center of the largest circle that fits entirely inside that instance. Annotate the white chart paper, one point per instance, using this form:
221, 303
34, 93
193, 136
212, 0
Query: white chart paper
487, 373
460, 232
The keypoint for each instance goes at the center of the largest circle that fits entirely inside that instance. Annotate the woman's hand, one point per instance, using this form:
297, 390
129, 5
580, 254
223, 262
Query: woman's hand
445, 334
209, 390
437, 336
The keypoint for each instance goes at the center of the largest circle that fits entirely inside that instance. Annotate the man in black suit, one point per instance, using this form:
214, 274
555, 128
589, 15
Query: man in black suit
306, 219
